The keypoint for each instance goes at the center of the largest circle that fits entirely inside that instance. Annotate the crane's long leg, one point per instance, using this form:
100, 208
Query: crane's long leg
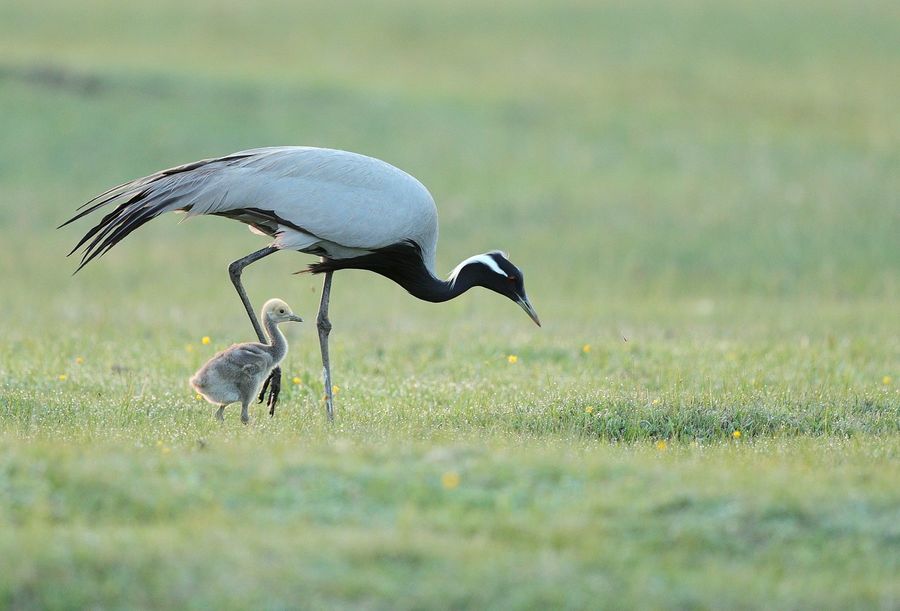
324, 326
234, 272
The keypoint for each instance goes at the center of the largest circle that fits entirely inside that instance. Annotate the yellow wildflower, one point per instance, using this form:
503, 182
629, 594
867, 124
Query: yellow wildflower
886, 380
79, 360
335, 389
589, 410
586, 348
296, 380
450, 480
736, 434
656, 401
661, 444
205, 340
198, 397
513, 359
63, 377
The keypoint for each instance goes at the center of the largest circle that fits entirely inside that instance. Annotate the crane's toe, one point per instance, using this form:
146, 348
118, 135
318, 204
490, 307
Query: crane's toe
273, 385
265, 387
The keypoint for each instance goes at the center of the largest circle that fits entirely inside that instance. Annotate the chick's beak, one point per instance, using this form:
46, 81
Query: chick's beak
295, 318
526, 305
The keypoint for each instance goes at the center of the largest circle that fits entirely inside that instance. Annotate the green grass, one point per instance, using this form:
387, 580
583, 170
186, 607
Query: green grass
358, 523
703, 192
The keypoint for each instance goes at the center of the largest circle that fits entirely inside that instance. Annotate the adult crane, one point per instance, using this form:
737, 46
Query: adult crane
352, 211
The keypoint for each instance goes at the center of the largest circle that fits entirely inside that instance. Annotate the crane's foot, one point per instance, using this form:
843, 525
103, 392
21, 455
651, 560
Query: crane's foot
220, 413
274, 391
273, 385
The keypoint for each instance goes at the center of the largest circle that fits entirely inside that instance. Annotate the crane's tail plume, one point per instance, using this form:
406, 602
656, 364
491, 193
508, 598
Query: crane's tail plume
140, 201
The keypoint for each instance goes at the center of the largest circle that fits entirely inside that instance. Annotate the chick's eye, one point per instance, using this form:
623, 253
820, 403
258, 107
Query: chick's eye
281, 311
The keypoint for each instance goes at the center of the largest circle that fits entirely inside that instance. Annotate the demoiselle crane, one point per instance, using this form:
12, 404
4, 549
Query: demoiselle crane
237, 373
353, 211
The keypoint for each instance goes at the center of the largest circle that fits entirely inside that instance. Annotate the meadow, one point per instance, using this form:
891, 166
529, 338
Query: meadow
703, 197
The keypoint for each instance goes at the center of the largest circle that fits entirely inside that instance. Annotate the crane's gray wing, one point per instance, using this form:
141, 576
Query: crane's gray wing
301, 196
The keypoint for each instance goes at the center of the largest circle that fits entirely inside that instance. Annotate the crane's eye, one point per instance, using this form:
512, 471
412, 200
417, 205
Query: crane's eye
510, 278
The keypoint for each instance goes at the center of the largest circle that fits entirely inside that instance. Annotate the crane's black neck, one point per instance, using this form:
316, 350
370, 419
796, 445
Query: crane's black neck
403, 263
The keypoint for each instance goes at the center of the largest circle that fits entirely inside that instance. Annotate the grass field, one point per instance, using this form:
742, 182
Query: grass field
703, 197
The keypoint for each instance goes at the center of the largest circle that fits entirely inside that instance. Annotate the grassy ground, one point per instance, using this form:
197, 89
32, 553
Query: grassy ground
703, 196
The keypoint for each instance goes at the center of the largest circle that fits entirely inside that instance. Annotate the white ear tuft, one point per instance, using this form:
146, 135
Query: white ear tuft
484, 259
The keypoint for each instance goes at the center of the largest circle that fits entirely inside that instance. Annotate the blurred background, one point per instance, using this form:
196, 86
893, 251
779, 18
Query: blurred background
646, 163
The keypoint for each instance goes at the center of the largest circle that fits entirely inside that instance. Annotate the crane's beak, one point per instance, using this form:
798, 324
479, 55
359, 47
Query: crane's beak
526, 305
295, 318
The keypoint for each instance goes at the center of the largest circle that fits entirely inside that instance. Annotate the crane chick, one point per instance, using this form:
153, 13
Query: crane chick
237, 374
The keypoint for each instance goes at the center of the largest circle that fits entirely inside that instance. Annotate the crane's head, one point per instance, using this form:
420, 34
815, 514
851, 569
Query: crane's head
279, 311
494, 271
